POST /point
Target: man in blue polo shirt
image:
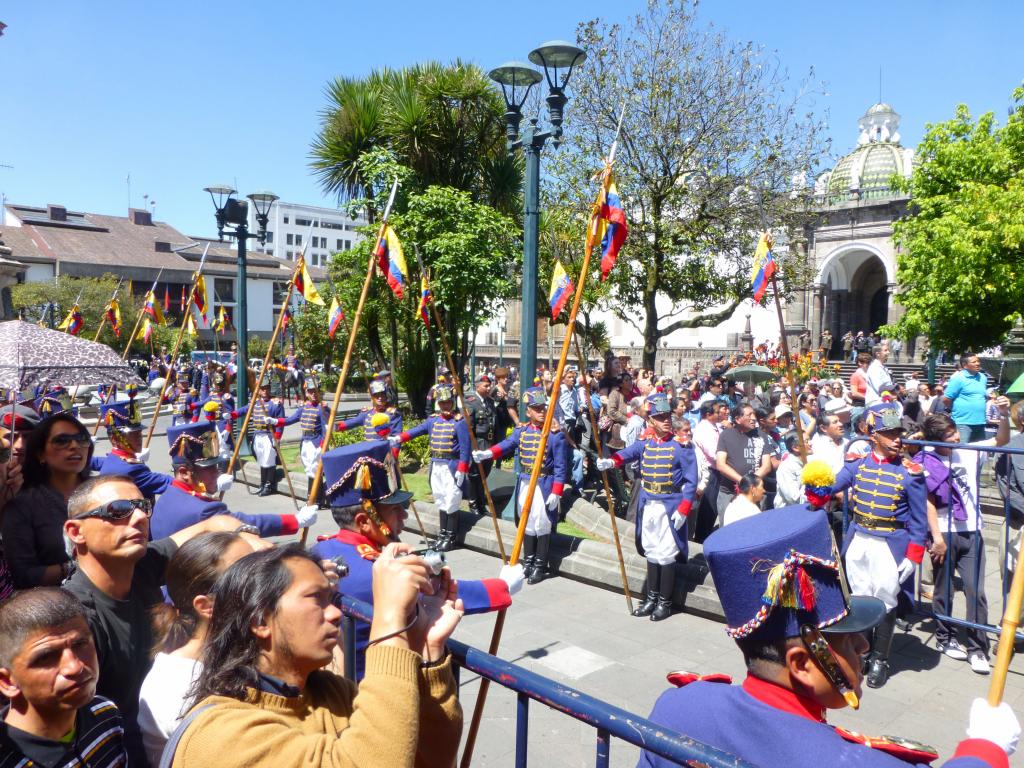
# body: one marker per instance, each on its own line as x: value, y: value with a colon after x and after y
x: 965, y: 396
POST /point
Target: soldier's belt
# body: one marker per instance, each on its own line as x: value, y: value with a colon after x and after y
x: 527, y: 472
x: 875, y: 523
x: 444, y: 455
x: 658, y: 487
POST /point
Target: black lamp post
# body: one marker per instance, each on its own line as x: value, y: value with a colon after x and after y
x: 235, y: 213
x: 558, y: 58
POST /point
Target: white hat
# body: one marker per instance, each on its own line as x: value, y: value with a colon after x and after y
x: 782, y: 410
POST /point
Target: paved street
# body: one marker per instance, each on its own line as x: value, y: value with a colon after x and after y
x: 582, y: 636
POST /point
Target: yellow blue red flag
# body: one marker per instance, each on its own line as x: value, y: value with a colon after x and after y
x: 764, y: 266
x: 304, y: 284
x: 152, y: 308
x: 425, y: 298
x: 334, y: 317
x: 613, y: 228
x: 199, y: 295
x: 113, y: 313
x: 391, y: 261
x: 561, y: 289
x: 74, y: 322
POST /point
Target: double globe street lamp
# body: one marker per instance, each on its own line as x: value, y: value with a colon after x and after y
x: 234, y: 212
x: 517, y: 78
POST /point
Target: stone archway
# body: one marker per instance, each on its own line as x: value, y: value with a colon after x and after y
x: 853, y: 292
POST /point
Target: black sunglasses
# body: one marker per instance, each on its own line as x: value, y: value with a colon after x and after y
x: 119, y: 509
x: 63, y: 441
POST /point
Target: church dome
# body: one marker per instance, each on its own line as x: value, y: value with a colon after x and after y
x: 866, y: 173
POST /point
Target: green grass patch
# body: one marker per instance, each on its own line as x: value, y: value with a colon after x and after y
x: 568, y: 529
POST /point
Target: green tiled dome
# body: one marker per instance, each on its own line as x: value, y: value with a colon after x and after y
x: 877, y: 162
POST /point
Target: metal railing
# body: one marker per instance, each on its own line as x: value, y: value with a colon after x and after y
x: 979, y: 576
x: 608, y: 720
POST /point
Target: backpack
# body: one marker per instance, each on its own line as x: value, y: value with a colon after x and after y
x: 1010, y: 480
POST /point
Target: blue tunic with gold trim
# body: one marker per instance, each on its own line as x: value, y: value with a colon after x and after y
x: 149, y: 483
x: 312, y: 420
x: 393, y: 427
x: 180, y: 506
x: 449, y: 440
x: 554, y: 471
x: 271, y: 408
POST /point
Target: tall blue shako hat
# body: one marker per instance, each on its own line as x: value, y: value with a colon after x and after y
x: 122, y: 417
x: 658, y: 403
x: 53, y: 401
x: 194, y: 443
x: 362, y: 473
x: 535, y: 396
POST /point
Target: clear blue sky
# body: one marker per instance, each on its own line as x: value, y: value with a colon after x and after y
x: 183, y: 95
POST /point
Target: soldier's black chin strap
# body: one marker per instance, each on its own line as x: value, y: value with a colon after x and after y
x: 825, y: 657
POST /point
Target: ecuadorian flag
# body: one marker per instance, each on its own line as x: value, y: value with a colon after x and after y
x: 334, y: 317
x: 391, y: 261
x: 561, y: 290
x: 74, y: 322
x: 764, y: 266
x: 425, y: 297
x: 613, y: 229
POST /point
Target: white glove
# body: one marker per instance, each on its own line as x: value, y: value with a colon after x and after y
x: 603, y: 465
x: 269, y: 421
x: 906, y: 569
x: 306, y: 516
x: 460, y: 478
x: 995, y: 724
x: 514, y: 576
x: 224, y: 483
x: 143, y: 455
x: 479, y: 456
x: 553, y: 501
x: 395, y: 441
x: 677, y: 520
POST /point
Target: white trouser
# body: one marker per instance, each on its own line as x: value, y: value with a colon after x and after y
x: 538, y: 523
x: 224, y: 437
x: 263, y: 448
x: 447, y: 493
x: 309, y: 452
x: 871, y: 569
x: 656, y: 533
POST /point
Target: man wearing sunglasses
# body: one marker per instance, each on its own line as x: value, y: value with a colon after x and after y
x: 128, y: 457
x: 117, y: 578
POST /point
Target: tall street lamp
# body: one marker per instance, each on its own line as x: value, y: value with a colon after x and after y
x: 558, y: 58
x: 231, y: 211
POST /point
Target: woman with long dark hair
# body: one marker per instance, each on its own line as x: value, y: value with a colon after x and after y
x: 180, y: 630
x: 57, y: 456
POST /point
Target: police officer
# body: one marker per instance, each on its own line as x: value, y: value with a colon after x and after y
x: 381, y: 420
x: 127, y: 456
x: 369, y: 518
x: 668, y: 486
x: 195, y: 454
x: 786, y: 605
x: 483, y: 419
x: 450, y: 454
x: 886, y: 539
x: 267, y: 418
x: 543, y: 512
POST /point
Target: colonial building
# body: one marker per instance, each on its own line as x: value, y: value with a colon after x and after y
x: 290, y: 224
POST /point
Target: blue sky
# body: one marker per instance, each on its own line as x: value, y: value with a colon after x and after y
x: 183, y: 95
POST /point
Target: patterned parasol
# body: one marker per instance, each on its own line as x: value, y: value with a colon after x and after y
x: 31, y: 356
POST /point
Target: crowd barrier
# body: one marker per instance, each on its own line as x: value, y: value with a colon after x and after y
x: 606, y: 719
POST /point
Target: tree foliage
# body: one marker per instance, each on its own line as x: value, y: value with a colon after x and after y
x: 714, y: 132
x: 959, y: 268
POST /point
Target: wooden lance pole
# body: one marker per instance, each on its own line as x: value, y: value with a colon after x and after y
x: 607, y: 487
x: 314, y: 487
x: 592, y: 232
x: 1007, y: 636
x: 177, y: 346
x: 790, y: 373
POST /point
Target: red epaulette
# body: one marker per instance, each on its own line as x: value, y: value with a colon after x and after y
x: 912, y: 752
x: 681, y: 679
x: 367, y: 552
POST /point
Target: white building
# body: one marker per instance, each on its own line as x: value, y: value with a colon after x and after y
x: 290, y: 224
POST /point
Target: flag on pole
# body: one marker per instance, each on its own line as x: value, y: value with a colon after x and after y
x: 425, y: 298
x: 190, y: 325
x: 287, y: 319
x: 223, y: 321
x: 113, y: 313
x: 167, y: 298
x: 73, y: 323
x: 763, y: 267
x: 391, y: 261
x: 561, y: 290
x: 304, y: 285
x: 152, y: 308
x: 199, y: 294
x: 334, y: 317
x: 183, y: 298
x: 146, y: 330
x: 612, y: 229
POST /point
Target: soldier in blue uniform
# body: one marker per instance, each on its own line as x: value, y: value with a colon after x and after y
x: 787, y: 606
x: 184, y: 401
x: 668, y: 486
x: 53, y: 401
x: 370, y: 511
x: 379, y: 422
x: 450, y: 454
x: 195, y: 454
x: 554, y: 473
x: 312, y: 420
x: 264, y: 429
x: 889, y: 522
x: 127, y: 456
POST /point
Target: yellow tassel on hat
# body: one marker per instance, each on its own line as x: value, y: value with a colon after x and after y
x: 363, y: 479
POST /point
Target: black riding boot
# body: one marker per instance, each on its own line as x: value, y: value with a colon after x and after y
x: 264, y: 483
x: 666, y: 589
x: 646, y: 608
x: 272, y: 477
x: 442, y: 532
x: 529, y: 554
x: 540, y: 568
x: 451, y: 531
x: 878, y: 666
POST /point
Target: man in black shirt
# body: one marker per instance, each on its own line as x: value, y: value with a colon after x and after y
x: 483, y: 417
x: 118, y: 578
x: 741, y: 450
x: 51, y: 714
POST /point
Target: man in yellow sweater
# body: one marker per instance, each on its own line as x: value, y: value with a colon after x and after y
x: 266, y: 700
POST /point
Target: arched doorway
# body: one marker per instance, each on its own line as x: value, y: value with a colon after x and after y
x: 853, y: 292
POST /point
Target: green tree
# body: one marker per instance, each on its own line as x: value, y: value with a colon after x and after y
x: 959, y: 266
x: 714, y: 132
x: 31, y: 301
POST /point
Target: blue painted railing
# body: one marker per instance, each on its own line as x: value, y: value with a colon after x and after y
x: 607, y: 719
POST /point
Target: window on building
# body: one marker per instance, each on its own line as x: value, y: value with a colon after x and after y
x: 298, y: 239
x: 339, y: 244
x: 289, y: 239
x: 290, y: 255
x: 270, y: 236
x: 224, y: 290
x: 285, y: 219
x: 301, y: 222
x: 348, y: 244
x: 280, y: 289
